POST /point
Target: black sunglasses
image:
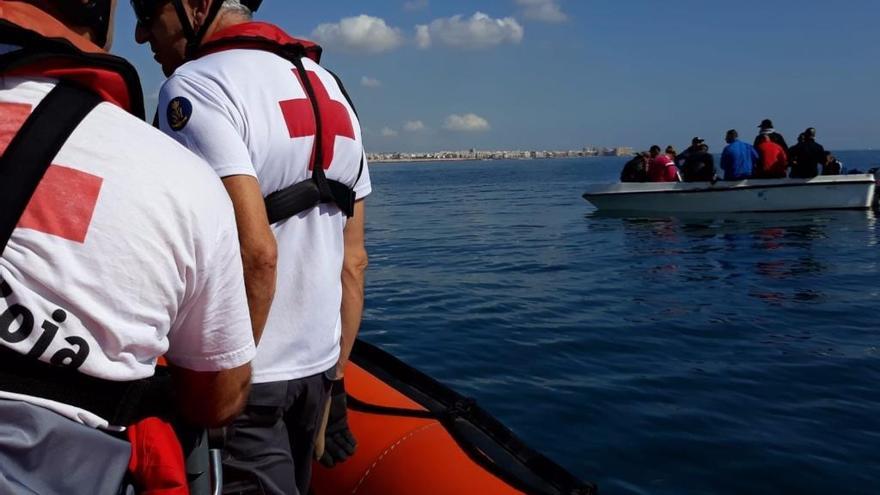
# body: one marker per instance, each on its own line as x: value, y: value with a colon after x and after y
x: 145, y: 10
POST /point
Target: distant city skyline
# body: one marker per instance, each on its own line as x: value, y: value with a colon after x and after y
x: 485, y: 154
x: 560, y: 74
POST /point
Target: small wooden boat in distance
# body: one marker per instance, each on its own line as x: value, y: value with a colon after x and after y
x: 826, y: 192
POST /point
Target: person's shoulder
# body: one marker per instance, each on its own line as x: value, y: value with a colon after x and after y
x: 209, y: 73
x: 226, y: 63
x: 142, y: 145
x: 204, y: 66
x: 191, y: 76
x: 221, y: 73
x: 148, y: 171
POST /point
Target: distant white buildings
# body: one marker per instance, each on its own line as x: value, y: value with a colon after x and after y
x: 474, y: 154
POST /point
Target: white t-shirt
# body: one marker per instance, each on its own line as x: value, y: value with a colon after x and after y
x: 235, y: 109
x: 128, y: 251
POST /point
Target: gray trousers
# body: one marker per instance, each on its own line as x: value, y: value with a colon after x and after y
x: 44, y: 453
x: 270, y: 446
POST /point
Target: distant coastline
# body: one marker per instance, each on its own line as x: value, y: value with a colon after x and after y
x: 475, y: 155
x: 428, y: 160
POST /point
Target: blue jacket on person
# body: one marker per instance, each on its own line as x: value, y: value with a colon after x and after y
x: 738, y: 160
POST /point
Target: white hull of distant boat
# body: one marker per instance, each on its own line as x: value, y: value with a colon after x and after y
x: 830, y: 192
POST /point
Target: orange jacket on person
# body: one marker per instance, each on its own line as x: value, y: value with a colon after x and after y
x: 773, y: 160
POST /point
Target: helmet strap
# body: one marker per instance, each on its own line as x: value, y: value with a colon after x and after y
x: 194, y: 37
x: 188, y: 32
x: 103, y: 21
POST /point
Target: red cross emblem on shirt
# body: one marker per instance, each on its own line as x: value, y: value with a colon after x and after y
x: 65, y: 200
x: 300, y: 118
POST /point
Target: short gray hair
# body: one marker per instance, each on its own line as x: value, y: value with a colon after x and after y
x: 237, y: 7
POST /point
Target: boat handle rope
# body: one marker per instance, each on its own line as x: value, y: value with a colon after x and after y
x: 462, y: 408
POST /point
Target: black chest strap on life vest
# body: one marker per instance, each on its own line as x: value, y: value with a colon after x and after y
x: 22, y: 167
x: 302, y: 196
x: 307, y: 194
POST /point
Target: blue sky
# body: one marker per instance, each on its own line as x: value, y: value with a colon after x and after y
x: 562, y: 74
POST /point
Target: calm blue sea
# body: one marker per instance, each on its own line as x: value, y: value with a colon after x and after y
x: 735, y: 354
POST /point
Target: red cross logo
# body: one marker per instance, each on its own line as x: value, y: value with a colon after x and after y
x: 300, y: 118
x: 65, y: 200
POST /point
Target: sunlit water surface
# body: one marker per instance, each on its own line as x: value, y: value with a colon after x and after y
x: 734, y: 354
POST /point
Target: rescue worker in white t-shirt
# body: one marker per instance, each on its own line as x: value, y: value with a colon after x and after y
x: 254, y: 103
x: 124, y: 250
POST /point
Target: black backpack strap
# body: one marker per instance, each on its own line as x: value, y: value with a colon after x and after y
x: 344, y: 92
x: 33, y: 148
x: 120, y: 403
x: 353, y: 109
x: 318, y: 164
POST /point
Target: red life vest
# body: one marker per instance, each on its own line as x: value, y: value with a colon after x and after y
x: 54, y: 51
x: 258, y: 36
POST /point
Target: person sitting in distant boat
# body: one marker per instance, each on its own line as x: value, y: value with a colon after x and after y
x: 832, y: 165
x: 690, y: 150
x: 806, y: 156
x: 636, y: 170
x: 792, y: 158
x: 773, y: 161
x: 699, y: 166
x: 766, y: 129
x: 661, y: 168
x: 670, y: 152
x: 738, y: 158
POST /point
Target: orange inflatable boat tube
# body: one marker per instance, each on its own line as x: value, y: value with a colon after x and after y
x: 416, y: 436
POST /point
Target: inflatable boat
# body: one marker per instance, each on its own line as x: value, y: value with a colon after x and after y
x: 416, y: 436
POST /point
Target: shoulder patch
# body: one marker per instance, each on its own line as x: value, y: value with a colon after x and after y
x: 178, y: 113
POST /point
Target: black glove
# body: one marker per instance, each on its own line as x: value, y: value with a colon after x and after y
x: 339, y: 443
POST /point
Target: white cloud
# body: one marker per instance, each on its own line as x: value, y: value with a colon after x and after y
x: 478, y: 31
x: 423, y: 36
x: 414, y: 126
x: 542, y: 10
x: 388, y: 132
x: 415, y: 5
x: 369, y: 82
x: 466, y: 123
x: 361, y: 34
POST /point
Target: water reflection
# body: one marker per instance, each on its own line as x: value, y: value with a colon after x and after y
x: 777, y: 258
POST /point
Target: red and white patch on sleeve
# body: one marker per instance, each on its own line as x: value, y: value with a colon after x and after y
x: 65, y: 200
